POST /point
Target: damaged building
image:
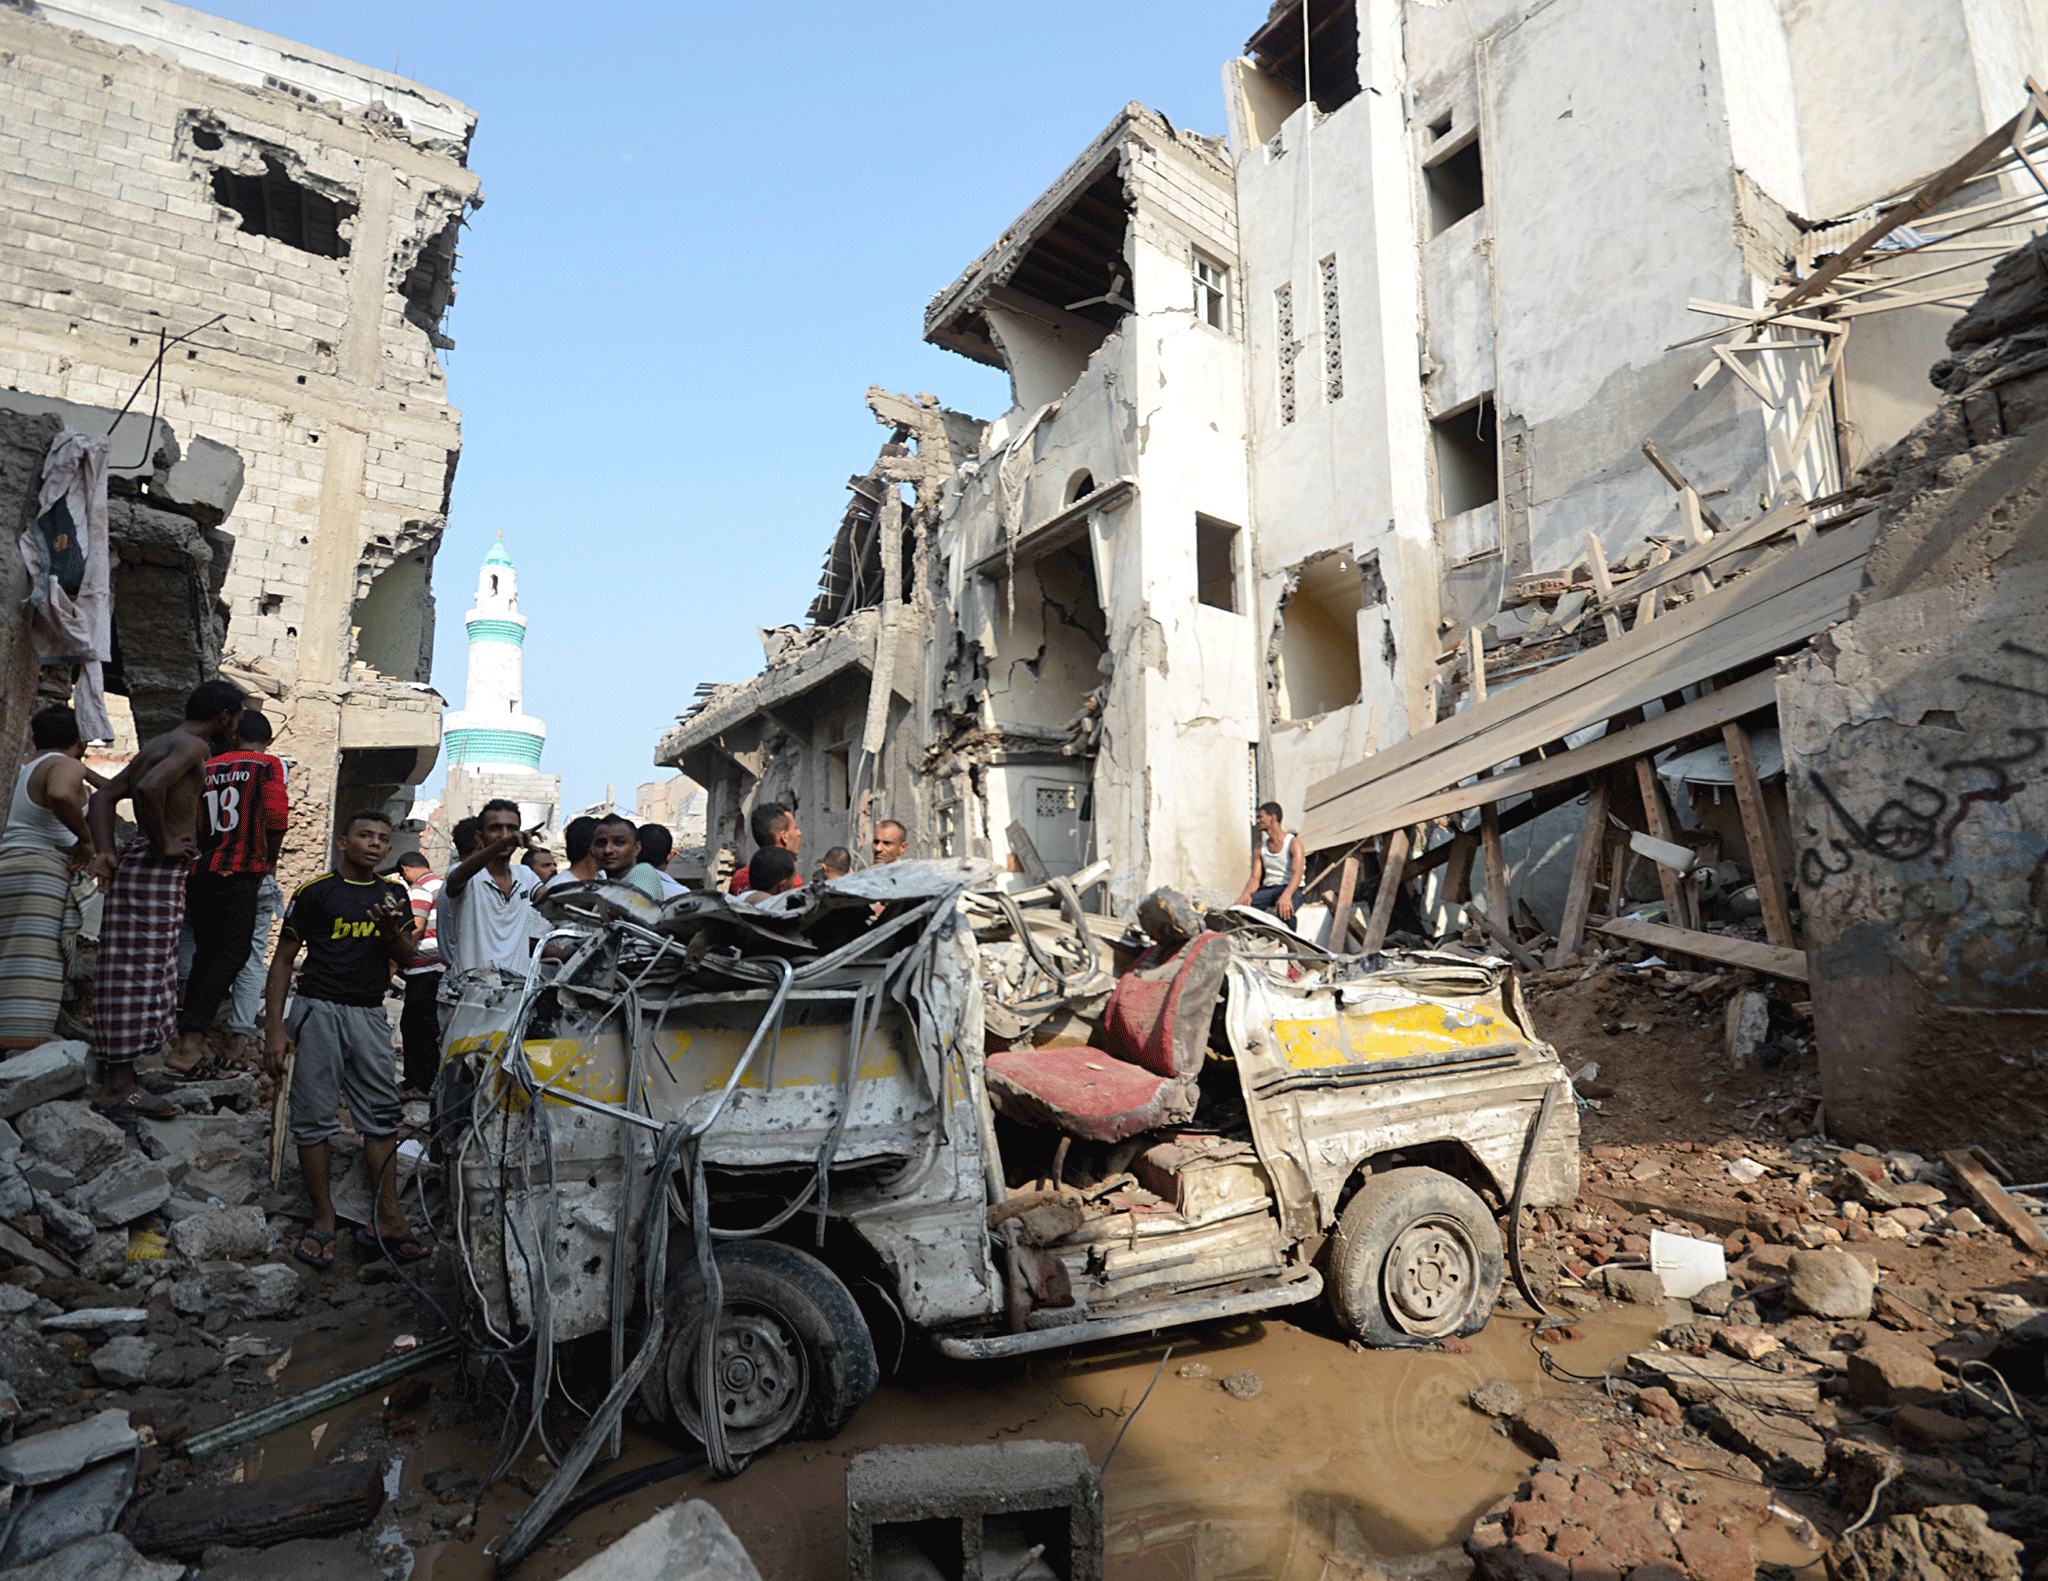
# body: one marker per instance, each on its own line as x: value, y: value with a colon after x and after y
x: 252, y: 244
x: 1450, y: 454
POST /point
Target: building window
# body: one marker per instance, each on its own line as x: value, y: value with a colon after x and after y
x: 1283, y: 325
x: 1467, y: 459
x: 1216, y: 563
x: 1212, y: 293
x: 839, y: 779
x: 1456, y: 183
x: 1319, y: 668
x: 1333, y: 334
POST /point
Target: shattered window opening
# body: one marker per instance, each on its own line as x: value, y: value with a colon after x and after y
x: 1456, y: 183
x: 839, y: 779
x: 273, y: 204
x: 1283, y: 323
x: 1318, y: 647
x: 429, y: 285
x: 1216, y: 564
x: 1333, y: 341
x: 1212, y: 293
x: 1467, y: 446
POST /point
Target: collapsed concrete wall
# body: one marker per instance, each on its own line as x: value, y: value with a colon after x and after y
x: 1914, y: 737
x: 293, y: 216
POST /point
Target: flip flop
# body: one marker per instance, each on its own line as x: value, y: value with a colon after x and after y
x: 319, y: 1238
x: 146, y: 1104
x: 393, y: 1247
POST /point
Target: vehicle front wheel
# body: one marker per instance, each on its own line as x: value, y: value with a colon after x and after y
x: 792, y: 1356
x: 1416, y: 1256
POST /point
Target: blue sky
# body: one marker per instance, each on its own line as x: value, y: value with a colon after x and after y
x: 708, y: 229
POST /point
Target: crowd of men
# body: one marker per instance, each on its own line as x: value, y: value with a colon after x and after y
x: 189, y: 901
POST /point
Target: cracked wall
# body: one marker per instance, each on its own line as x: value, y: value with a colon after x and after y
x: 121, y: 132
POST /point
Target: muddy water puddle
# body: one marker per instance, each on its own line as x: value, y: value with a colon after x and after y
x: 1366, y: 1454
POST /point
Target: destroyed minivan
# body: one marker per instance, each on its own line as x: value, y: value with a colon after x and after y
x: 906, y: 1107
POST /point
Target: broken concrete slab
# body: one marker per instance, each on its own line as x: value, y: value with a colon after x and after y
x: 123, y: 1192
x: 177, y: 1144
x: 1699, y: 1379
x: 123, y: 1362
x: 238, y: 1233
x: 106, y: 1558
x: 104, y: 1319
x: 70, y: 1135
x: 10, y: 1139
x: 52, y: 1456
x: 55, y: 1070
x: 65, y: 1227
x: 269, y: 1290
x: 1891, y: 1372
x: 303, y: 1559
x: 1786, y: 1448
x: 204, y: 483
x: 1947, y: 1542
x: 86, y: 1505
x: 685, y: 1542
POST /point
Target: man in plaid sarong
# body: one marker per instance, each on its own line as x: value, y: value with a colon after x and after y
x: 135, y: 992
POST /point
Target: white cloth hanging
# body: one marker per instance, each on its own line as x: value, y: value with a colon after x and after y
x: 66, y: 553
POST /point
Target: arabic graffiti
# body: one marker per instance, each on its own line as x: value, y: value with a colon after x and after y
x: 1921, y: 816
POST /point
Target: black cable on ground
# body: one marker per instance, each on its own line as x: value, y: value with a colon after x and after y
x: 615, y: 1487
x: 1515, y: 1202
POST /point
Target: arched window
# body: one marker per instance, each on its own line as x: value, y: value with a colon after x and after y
x: 1080, y: 484
x: 494, y: 583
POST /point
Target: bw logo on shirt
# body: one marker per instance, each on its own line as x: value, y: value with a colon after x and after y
x: 353, y: 930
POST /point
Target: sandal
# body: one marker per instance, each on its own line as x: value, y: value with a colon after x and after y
x: 400, y: 1248
x: 321, y: 1238
x: 208, y: 1069
x: 146, y: 1104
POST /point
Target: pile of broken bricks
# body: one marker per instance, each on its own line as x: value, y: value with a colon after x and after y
x: 1871, y: 1378
x: 147, y: 1293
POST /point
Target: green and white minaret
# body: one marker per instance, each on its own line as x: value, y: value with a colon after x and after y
x: 490, y: 733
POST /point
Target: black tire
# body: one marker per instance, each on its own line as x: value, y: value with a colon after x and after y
x: 796, y: 1355
x: 1416, y: 1257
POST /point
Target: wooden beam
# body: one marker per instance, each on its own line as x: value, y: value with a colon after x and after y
x: 1655, y: 814
x: 1390, y: 886
x: 1578, y: 900
x: 1458, y: 869
x: 1510, y: 945
x: 1766, y: 958
x: 1675, y: 478
x: 1756, y: 829
x: 1750, y: 535
x: 1340, y: 919
x: 1992, y: 1198
x: 1603, y: 584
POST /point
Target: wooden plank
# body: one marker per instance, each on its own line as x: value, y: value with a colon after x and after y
x: 1458, y: 867
x: 1752, y: 315
x: 1655, y: 814
x: 1511, y: 946
x: 1993, y: 1199
x: 1750, y: 535
x: 1578, y: 898
x: 1756, y: 386
x: 1765, y: 958
x: 1390, y: 886
x: 1761, y: 614
x: 1512, y: 818
x: 1799, y: 585
x: 1756, y: 829
x: 1646, y: 605
x: 1603, y: 584
x: 1496, y: 864
x: 1944, y: 184
x: 1340, y: 919
x: 1675, y: 478
x: 317, y: 1503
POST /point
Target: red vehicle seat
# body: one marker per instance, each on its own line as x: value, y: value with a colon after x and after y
x: 1157, y: 1024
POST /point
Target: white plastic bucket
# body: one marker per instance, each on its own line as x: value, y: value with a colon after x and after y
x: 1685, y: 1265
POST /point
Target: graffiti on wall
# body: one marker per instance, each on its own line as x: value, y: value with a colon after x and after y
x: 1924, y: 815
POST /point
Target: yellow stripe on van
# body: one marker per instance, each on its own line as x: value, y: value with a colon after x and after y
x: 1393, y: 1033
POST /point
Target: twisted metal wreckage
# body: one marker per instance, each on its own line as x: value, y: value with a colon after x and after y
x: 1000, y: 1142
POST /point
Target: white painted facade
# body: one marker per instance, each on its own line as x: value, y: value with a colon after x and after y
x: 1454, y: 285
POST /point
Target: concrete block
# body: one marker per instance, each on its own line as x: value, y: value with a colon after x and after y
x: 123, y: 1192
x: 974, y: 1510
x: 56, y: 1070
x: 72, y: 1137
x: 685, y: 1542
x: 205, y: 483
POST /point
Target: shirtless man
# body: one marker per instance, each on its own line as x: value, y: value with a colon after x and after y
x: 135, y: 994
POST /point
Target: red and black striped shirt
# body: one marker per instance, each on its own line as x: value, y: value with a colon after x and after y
x: 244, y: 803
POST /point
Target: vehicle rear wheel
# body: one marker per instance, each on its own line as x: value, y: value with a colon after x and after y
x: 1416, y: 1256
x: 792, y: 1358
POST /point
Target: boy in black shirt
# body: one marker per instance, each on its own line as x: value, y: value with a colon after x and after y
x: 354, y: 926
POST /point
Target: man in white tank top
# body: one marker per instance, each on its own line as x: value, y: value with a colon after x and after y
x: 44, y: 843
x: 1276, y: 866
